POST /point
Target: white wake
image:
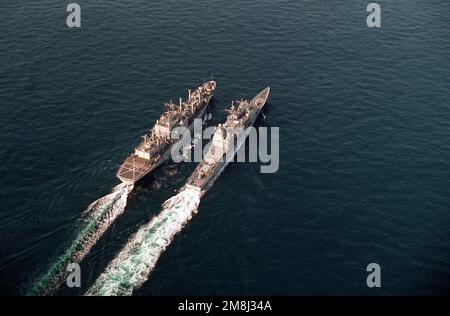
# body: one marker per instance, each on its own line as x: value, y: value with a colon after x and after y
x: 97, y: 218
x: 133, y: 265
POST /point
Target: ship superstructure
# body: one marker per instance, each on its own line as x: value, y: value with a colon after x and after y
x: 156, y: 144
x: 227, y: 140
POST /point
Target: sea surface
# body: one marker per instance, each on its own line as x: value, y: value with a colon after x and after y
x: 364, y: 118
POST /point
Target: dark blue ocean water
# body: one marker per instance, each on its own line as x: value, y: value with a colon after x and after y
x: 364, y: 119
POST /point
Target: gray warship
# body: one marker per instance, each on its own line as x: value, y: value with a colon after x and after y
x: 226, y: 142
x: 155, y: 146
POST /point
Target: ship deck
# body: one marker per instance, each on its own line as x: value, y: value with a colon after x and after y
x: 133, y: 168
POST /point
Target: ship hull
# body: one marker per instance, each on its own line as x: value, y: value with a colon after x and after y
x: 219, y: 166
x: 136, y: 168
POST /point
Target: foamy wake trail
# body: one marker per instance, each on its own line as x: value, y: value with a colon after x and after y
x: 132, y: 266
x: 96, y: 220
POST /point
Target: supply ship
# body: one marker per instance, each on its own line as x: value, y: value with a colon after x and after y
x: 226, y: 142
x: 155, y: 146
